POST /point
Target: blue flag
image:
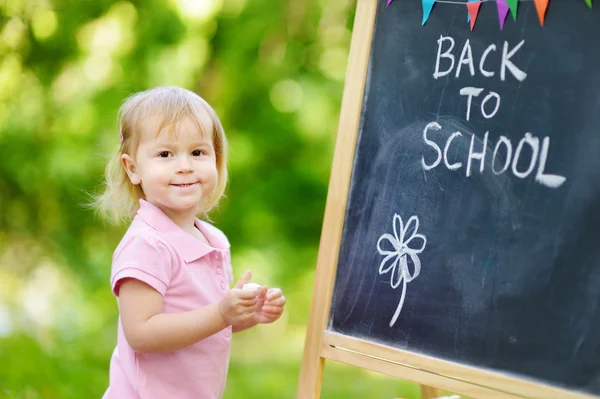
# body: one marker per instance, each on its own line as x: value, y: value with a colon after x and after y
x: 427, y: 6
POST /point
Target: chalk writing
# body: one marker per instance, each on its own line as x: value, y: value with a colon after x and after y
x: 528, y: 146
x: 466, y: 58
x: 537, y: 156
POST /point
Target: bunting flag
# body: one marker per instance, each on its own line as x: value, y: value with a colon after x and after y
x: 513, y: 4
x: 468, y: 14
x: 388, y: 3
x: 541, y: 6
x: 503, y: 6
x: 427, y: 6
x: 502, y: 12
x: 473, y: 8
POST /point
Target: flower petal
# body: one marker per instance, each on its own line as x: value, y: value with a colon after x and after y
x: 417, y: 263
x: 412, y: 226
x: 416, y: 238
x: 398, y: 227
x: 386, y: 259
x: 392, y: 241
x: 400, y: 272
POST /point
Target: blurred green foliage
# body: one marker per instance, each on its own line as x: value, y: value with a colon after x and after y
x: 273, y: 70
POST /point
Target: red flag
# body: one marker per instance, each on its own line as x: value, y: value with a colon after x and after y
x: 541, y: 6
x: 473, y: 8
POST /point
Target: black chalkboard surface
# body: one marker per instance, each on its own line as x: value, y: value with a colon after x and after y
x: 481, y: 247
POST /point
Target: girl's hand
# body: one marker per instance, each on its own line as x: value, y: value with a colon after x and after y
x: 273, y: 306
x: 239, y: 305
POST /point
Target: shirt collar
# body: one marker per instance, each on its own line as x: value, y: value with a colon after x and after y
x: 189, y: 246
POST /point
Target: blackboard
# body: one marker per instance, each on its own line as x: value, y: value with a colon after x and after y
x: 509, y: 277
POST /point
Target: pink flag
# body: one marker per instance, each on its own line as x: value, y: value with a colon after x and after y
x: 502, y: 12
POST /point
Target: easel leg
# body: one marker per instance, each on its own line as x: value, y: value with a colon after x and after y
x: 430, y: 392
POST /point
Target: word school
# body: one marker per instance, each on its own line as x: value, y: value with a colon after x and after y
x: 499, y: 164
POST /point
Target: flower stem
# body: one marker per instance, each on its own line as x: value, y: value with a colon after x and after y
x: 399, y: 308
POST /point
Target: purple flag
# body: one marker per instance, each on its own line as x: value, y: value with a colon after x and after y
x: 389, y: 2
x: 502, y: 12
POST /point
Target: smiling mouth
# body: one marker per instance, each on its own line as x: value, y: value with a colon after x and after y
x: 184, y: 185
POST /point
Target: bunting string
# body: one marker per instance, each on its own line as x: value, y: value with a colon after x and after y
x: 504, y: 6
x: 474, y: 1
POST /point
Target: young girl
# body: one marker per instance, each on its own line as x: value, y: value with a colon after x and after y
x: 171, y: 272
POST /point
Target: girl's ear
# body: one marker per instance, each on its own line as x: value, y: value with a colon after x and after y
x: 130, y: 168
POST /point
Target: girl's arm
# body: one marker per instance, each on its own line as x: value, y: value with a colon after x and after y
x: 149, y: 330
x: 244, y: 326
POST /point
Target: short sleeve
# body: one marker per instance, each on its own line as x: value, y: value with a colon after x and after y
x: 145, y: 259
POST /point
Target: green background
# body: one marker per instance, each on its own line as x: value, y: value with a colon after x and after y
x: 273, y: 70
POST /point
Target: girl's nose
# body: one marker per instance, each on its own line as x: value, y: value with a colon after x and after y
x: 184, y: 165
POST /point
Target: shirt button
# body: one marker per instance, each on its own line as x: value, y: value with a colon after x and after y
x: 219, y: 271
x: 216, y: 256
x: 222, y: 285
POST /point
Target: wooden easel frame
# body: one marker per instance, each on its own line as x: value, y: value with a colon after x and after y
x: 322, y: 344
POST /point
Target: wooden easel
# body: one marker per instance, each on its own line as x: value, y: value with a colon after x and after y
x: 430, y: 392
x: 322, y: 344
x: 313, y: 363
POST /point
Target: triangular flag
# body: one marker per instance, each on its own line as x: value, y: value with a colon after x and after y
x: 541, y: 6
x: 427, y: 6
x: 502, y: 12
x: 388, y: 3
x: 469, y: 15
x: 589, y: 3
x: 513, y: 4
x: 473, y: 8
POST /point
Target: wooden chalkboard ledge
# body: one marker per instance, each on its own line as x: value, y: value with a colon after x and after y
x: 443, y: 374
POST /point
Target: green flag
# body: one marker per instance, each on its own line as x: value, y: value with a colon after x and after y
x: 512, y: 4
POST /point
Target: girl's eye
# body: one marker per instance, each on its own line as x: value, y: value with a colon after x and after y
x: 197, y: 153
x: 164, y: 154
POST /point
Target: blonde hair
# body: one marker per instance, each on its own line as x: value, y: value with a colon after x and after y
x: 167, y: 106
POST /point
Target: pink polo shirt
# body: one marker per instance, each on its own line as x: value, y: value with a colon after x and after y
x: 188, y: 274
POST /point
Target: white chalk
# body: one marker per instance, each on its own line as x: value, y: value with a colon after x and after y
x: 251, y: 286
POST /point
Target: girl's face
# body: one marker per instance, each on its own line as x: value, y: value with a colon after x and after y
x: 177, y: 172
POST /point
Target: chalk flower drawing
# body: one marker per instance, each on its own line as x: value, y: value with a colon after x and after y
x: 405, y: 243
